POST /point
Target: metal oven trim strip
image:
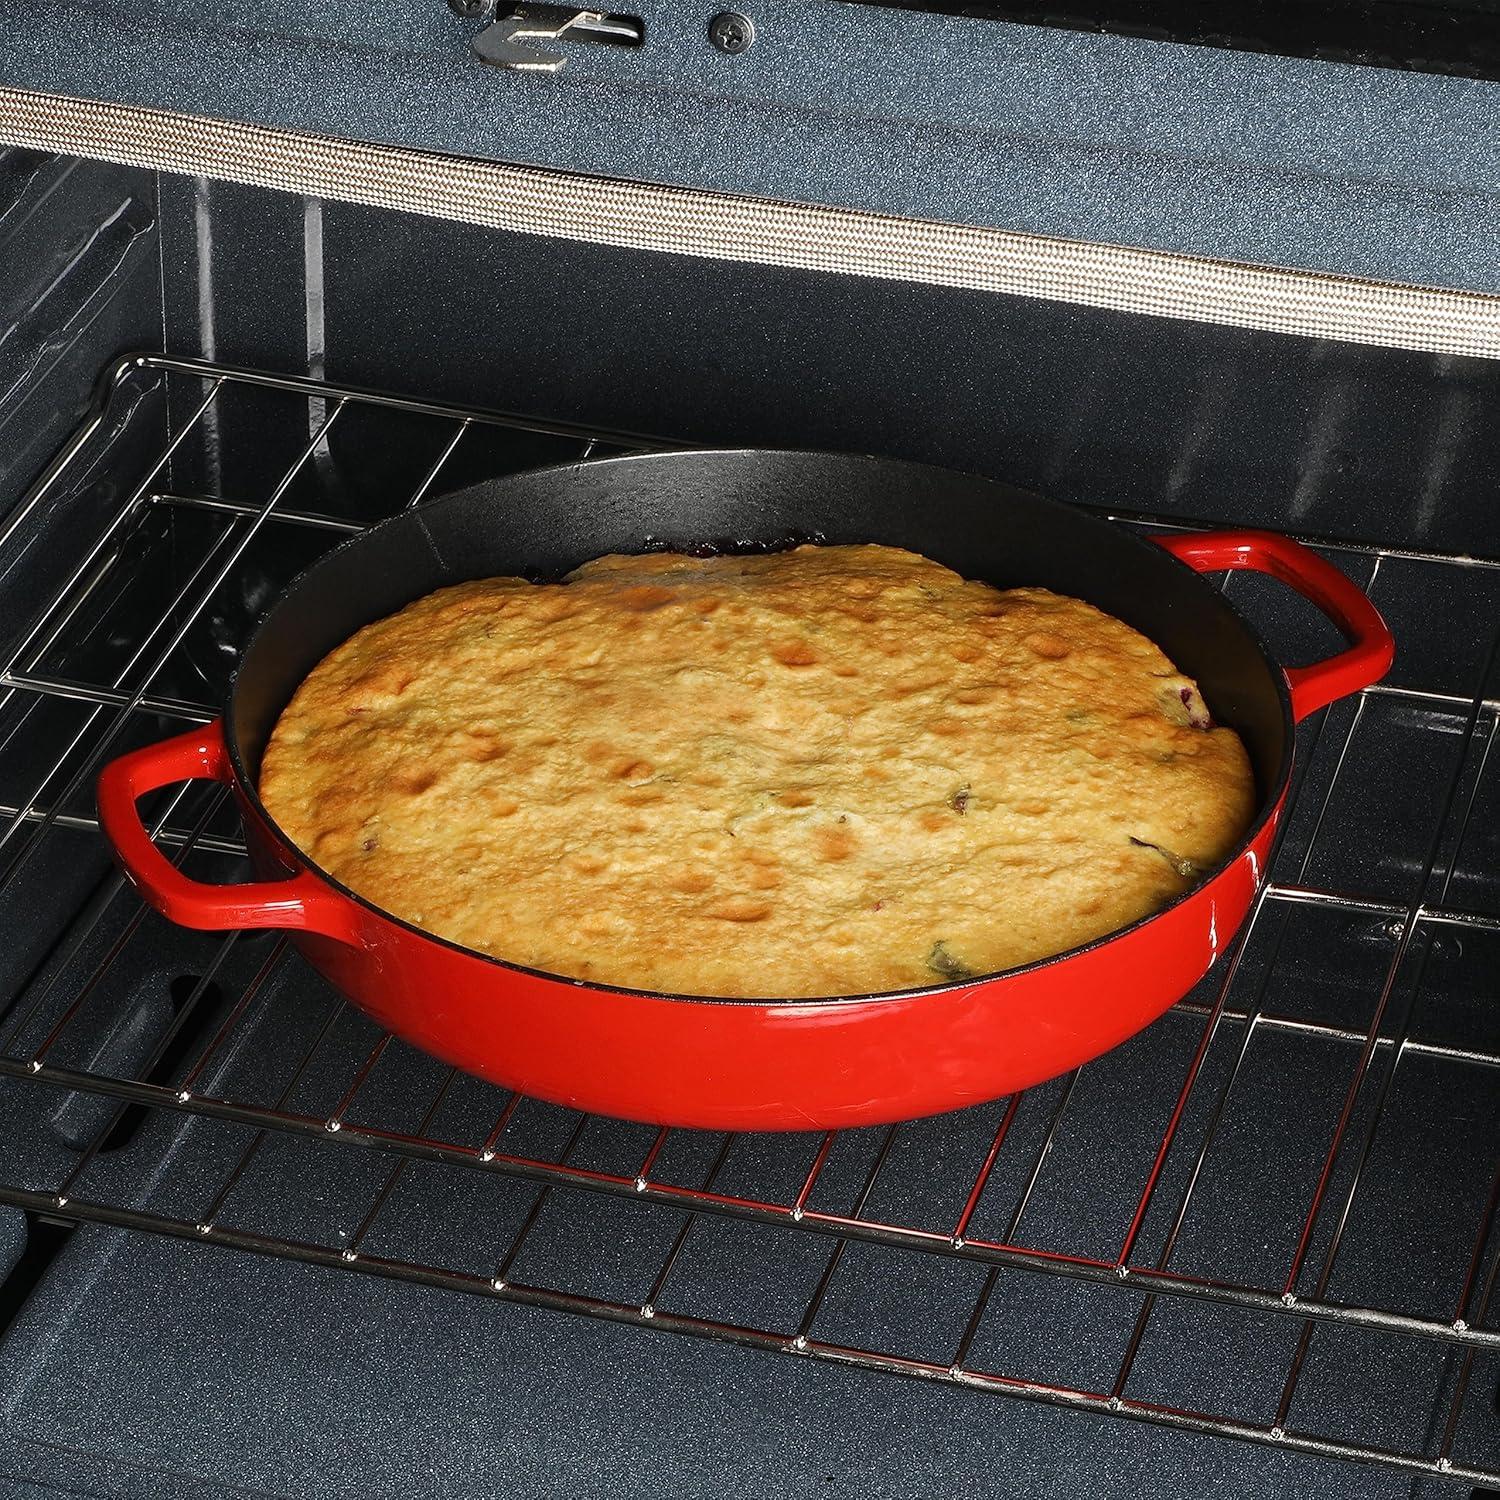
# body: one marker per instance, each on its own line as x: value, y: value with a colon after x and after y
x: 799, y: 236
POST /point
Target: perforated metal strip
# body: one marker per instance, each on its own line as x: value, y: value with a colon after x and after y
x: 811, y: 237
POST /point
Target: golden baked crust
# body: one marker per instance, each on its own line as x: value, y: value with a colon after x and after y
x: 828, y: 771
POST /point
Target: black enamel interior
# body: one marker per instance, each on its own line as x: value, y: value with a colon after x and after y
x: 544, y: 522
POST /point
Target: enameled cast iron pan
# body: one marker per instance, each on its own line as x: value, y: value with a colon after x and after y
x: 753, y: 1064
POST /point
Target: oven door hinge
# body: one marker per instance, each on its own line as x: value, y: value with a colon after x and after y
x: 518, y: 36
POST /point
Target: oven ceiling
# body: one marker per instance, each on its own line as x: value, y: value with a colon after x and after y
x: 1117, y: 140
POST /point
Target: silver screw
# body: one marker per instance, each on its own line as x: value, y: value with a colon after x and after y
x: 731, y: 32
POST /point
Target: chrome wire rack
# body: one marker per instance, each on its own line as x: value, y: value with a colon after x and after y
x: 1271, y: 1216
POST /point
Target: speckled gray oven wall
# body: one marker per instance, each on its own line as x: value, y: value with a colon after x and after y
x: 1088, y: 405
x: 1359, y: 171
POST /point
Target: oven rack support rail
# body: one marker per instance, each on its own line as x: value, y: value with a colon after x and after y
x: 51, y: 669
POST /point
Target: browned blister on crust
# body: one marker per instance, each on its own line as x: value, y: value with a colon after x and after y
x: 827, y: 771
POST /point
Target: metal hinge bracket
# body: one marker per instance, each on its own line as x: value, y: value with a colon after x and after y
x: 518, y: 40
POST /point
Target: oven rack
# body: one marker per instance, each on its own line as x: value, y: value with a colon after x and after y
x: 1353, y: 998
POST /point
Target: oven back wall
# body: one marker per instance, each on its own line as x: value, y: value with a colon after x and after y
x: 1142, y: 413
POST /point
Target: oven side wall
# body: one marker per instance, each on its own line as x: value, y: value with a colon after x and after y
x: 80, y: 281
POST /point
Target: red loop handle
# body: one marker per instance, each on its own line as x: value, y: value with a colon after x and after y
x: 303, y: 903
x: 1371, y: 645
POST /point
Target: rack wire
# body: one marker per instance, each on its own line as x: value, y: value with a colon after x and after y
x: 1279, y: 1196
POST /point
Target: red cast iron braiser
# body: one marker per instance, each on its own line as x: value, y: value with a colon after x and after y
x: 754, y: 1064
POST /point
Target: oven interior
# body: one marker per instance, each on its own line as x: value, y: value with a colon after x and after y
x: 1430, y: 36
x: 236, y: 1219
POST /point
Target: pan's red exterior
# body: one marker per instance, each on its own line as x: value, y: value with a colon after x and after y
x: 738, y: 1065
